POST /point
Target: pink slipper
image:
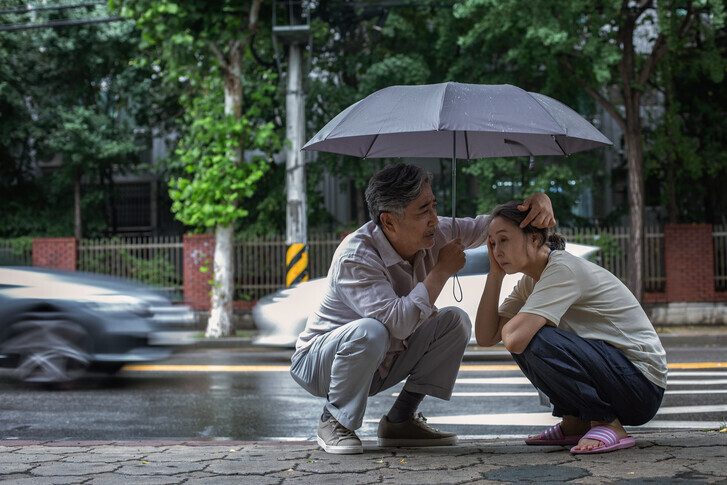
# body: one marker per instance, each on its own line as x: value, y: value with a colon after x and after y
x: 608, y: 437
x: 553, y: 436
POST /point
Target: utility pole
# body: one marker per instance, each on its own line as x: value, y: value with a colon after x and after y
x: 295, y: 35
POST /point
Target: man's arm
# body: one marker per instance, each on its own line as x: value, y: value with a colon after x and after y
x: 541, y: 211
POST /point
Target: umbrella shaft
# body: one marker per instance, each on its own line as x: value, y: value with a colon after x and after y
x: 454, y: 184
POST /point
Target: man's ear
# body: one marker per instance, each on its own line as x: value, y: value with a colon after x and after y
x: 388, y: 221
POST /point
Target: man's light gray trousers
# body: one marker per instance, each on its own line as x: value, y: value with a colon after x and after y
x: 342, y: 365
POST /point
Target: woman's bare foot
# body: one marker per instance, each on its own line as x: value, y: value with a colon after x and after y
x: 589, y: 444
x: 572, y: 426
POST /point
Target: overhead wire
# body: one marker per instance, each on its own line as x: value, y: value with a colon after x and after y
x: 55, y: 23
x: 30, y: 8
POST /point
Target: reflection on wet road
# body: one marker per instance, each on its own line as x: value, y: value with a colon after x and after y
x: 249, y: 395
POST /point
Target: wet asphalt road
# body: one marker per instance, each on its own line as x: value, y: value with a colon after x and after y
x: 250, y: 396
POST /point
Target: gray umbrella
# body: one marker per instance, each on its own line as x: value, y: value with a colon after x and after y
x: 456, y: 120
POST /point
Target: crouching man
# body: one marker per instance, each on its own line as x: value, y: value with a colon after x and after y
x: 377, y: 324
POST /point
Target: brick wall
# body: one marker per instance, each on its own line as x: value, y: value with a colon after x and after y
x: 199, y: 250
x: 55, y: 253
x: 689, y: 263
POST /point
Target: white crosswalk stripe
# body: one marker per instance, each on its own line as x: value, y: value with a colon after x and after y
x: 512, y: 384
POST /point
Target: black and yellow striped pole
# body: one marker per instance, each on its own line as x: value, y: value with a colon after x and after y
x: 296, y: 260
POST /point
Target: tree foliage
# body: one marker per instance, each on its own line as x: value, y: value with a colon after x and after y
x: 686, y: 149
x: 212, y: 187
x: 194, y: 47
x: 68, y: 95
x: 610, y: 48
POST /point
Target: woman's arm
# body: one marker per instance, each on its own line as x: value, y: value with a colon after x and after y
x: 520, y: 330
x: 488, y: 323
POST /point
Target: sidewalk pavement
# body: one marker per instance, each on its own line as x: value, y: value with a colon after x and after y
x: 674, y: 457
x: 684, y: 457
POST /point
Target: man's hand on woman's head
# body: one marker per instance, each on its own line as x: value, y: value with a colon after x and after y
x: 541, y: 211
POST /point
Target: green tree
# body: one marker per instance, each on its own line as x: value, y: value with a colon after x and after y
x: 360, y: 48
x: 608, y: 48
x: 686, y: 148
x: 209, y: 50
x: 67, y: 95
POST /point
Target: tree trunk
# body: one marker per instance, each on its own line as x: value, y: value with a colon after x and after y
x: 671, y: 187
x: 635, y: 161
x: 77, y: 227
x: 220, y: 321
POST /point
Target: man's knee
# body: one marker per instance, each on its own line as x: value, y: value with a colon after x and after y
x: 368, y: 336
x: 458, y: 322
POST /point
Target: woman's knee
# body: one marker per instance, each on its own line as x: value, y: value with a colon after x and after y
x: 543, y: 341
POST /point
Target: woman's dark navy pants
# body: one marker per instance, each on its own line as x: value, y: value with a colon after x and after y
x: 589, y: 379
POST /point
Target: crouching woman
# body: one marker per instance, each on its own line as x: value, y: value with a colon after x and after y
x: 577, y: 333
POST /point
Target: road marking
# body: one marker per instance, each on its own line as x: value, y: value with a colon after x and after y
x: 677, y: 365
x: 718, y: 373
x: 493, y: 380
x: 286, y: 368
x: 475, y: 367
x: 696, y: 382
x: 664, y: 424
x: 718, y: 408
x: 488, y: 394
x: 516, y: 419
x: 698, y: 391
x: 208, y: 368
x: 546, y: 419
x: 697, y: 365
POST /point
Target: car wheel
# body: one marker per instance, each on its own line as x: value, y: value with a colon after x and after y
x: 49, y: 350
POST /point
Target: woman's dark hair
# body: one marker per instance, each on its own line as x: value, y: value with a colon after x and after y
x: 510, y: 212
x: 394, y: 188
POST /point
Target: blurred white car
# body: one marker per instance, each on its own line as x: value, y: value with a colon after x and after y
x: 281, y: 316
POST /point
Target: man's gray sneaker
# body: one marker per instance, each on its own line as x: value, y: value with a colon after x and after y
x: 413, y: 432
x: 334, y: 438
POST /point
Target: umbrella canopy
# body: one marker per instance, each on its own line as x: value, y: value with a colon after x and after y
x: 456, y: 120
x: 459, y: 121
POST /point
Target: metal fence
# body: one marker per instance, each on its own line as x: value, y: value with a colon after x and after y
x: 156, y: 261
x: 259, y: 263
x: 719, y: 236
x: 16, y: 252
x: 260, y: 266
x: 613, y: 253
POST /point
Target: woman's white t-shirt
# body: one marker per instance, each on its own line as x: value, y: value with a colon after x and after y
x: 581, y: 297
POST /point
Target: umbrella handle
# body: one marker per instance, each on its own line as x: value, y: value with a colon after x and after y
x: 456, y: 285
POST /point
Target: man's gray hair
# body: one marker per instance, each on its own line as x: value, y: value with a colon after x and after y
x: 394, y: 188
